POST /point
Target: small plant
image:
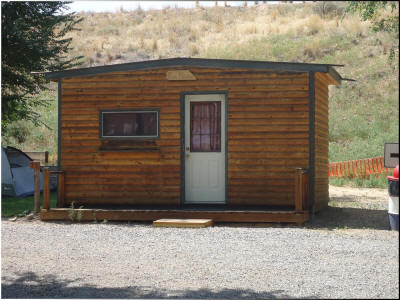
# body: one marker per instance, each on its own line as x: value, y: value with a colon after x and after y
x: 105, y: 221
x: 79, y: 214
x: 94, y: 217
x: 71, y: 212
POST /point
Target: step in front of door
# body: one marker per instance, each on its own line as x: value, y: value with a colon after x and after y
x: 187, y: 223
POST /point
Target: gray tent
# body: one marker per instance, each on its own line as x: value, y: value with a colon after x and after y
x: 16, y: 174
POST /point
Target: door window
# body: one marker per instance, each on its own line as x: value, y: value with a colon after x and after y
x: 205, y: 126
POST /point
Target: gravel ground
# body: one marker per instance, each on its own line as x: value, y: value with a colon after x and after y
x: 331, y: 257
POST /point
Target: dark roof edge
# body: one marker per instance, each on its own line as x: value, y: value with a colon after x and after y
x: 335, y: 74
x: 196, y: 62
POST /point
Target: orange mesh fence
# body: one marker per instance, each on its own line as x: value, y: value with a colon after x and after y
x: 358, y: 168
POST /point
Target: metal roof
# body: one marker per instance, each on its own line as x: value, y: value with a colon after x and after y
x: 198, y: 62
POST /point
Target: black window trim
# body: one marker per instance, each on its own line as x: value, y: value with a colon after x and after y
x: 132, y: 110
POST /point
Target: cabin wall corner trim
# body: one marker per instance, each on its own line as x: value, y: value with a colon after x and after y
x: 59, y: 100
x: 59, y: 123
x: 312, y: 139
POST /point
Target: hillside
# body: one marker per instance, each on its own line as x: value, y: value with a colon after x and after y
x: 363, y: 114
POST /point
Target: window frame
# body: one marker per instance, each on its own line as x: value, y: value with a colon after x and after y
x: 136, y: 110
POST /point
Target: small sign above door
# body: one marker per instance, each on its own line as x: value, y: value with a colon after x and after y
x: 180, y: 75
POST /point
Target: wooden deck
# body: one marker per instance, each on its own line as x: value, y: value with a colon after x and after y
x: 264, y: 216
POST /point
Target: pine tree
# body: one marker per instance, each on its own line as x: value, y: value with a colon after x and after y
x: 33, y: 39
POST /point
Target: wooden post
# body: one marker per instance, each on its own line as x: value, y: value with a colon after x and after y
x: 46, y: 188
x: 306, y: 193
x: 46, y: 157
x: 60, y: 202
x: 299, y: 190
x: 35, y: 165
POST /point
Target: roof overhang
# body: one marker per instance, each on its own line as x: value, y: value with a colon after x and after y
x: 198, y: 62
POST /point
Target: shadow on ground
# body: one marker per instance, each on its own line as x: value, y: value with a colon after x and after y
x: 29, y: 285
x: 346, y: 217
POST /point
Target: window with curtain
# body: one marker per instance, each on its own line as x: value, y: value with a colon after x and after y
x: 129, y: 124
x: 205, y: 126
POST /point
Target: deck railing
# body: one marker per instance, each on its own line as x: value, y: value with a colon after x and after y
x: 301, y: 188
x: 35, y: 165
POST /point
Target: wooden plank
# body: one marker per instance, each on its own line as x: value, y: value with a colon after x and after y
x: 77, y: 105
x: 138, y: 169
x: 131, y: 174
x: 151, y: 215
x: 183, y: 223
x: 156, y: 79
x: 250, y: 129
x: 267, y: 182
x: 239, y: 168
x: 127, y: 196
x: 267, y: 115
x: 124, y: 155
x: 123, y: 188
x: 115, y: 163
x: 46, y: 188
x: 299, y: 190
x: 268, y: 142
x: 35, y: 165
x: 250, y: 202
x: 275, y: 83
x: 249, y: 148
x: 268, y: 122
x: 266, y: 155
x: 268, y: 108
x: 296, y: 91
x: 263, y: 194
x: 272, y: 135
x: 60, y: 190
x: 125, y: 201
x: 139, y: 180
x: 271, y: 162
x: 104, y: 99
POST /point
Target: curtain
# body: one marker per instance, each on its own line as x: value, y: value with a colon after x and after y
x: 205, y: 130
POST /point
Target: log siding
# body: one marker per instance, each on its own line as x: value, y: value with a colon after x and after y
x: 321, y: 178
x: 268, y: 136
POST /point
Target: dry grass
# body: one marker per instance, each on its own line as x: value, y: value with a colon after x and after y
x: 138, y: 35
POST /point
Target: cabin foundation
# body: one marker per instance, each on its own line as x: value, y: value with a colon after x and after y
x: 150, y: 215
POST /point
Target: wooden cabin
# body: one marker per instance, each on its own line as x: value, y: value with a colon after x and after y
x: 231, y: 140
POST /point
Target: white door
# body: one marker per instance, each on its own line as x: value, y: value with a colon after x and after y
x: 205, y: 148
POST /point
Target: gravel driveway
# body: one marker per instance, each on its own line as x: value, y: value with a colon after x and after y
x: 121, y: 260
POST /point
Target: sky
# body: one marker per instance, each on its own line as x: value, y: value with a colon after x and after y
x: 113, y: 6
